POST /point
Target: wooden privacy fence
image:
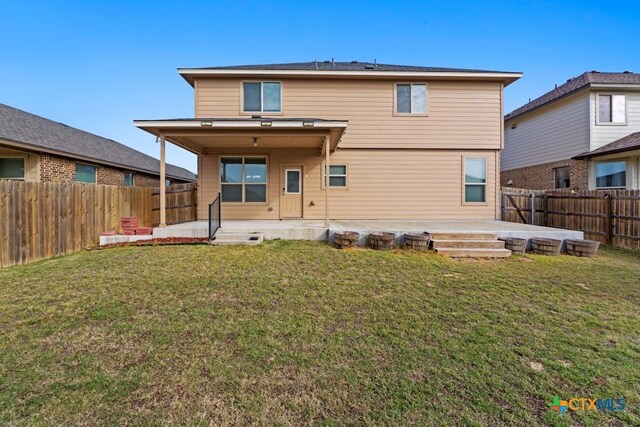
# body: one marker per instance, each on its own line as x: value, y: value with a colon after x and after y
x: 181, y: 205
x: 41, y: 220
x: 609, y: 216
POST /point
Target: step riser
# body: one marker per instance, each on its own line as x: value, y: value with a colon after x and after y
x: 474, y: 253
x: 479, y: 244
x: 236, y: 239
x: 463, y: 236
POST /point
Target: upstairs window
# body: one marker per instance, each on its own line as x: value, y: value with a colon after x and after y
x: 475, y: 180
x: 562, y: 177
x: 85, y: 173
x: 12, y: 168
x: 612, y: 109
x: 411, y: 98
x: 262, y: 97
x: 611, y: 174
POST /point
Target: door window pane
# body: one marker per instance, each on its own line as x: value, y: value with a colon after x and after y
x: 418, y: 99
x: 474, y: 193
x: 255, y: 170
x: 562, y: 177
x: 604, y: 108
x: 252, y: 96
x: 271, y: 96
x: 85, y: 173
x: 255, y: 193
x: 403, y: 98
x: 231, y: 169
x: 231, y: 193
x: 611, y: 174
x: 293, y: 181
x: 12, y: 168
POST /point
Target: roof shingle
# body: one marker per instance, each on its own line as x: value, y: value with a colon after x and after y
x: 22, y: 127
x: 628, y: 143
x: 575, y: 84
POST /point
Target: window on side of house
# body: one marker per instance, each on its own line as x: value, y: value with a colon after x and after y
x: 243, y: 179
x: 128, y: 179
x: 337, y: 175
x: 262, y: 97
x: 411, y: 98
x: 562, y: 177
x: 475, y: 180
x: 611, y: 174
x: 12, y: 168
x: 612, y: 109
x: 85, y: 173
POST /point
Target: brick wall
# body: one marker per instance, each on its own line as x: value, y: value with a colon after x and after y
x: 541, y: 177
x: 61, y: 169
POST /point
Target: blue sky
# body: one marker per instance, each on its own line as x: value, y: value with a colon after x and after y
x: 98, y: 65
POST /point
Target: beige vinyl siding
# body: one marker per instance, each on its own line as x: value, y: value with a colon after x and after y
x: 383, y: 184
x: 606, y: 133
x: 461, y: 115
x: 556, y: 132
x: 31, y: 164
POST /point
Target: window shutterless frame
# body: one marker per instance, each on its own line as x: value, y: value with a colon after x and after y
x: 411, y: 112
x: 335, y: 175
x: 243, y: 182
x: 613, y: 99
x: 86, y: 169
x: 474, y: 184
x: 261, y: 111
x: 12, y: 161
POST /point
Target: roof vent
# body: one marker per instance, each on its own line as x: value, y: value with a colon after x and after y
x: 568, y: 80
x: 354, y: 62
x: 327, y: 61
x: 627, y: 72
x: 595, y: 71
x: 369, y: 67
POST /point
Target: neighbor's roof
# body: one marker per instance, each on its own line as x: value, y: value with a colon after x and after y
x: 38, y: 133
x: 352, y: 68
x: 576, y: 84
x: 628, y: 143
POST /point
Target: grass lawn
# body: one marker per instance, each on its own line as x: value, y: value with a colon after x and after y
x: 292, y: 333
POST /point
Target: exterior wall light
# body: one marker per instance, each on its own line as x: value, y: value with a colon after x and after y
x: 265, y: 123
x: 307, y: 124
x: 206, y: 123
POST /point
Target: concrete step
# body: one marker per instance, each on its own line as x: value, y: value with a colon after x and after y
x: 463, y: 236
x: 478, y: 244
x: 237, y: 239
x: 474, y: 252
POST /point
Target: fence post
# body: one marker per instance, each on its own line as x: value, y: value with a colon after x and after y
x: 533, y: 208
x: 545, y: 209
x: 501, y: 206
x: 608, y: 209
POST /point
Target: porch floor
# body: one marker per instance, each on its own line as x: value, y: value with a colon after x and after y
x: 316, y: 230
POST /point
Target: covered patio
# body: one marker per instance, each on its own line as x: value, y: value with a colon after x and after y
x: 302, y: 145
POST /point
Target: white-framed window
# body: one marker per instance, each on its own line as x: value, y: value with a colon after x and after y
x: 128, y: 179
x: 611, y: 174
x: 562, y: 177
x: 337, y: 175
x: 243, y: 179
x: 12, y: 168
x: 262, y: 97
x: 85, y: 173
x: 411, y: 98
x: 475, y: 180
x: 612, y: 109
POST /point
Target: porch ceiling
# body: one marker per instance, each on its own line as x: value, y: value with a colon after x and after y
x: 202, y: 135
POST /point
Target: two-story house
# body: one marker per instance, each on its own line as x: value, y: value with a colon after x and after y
x: 343, y: 140
x: 584, y: 134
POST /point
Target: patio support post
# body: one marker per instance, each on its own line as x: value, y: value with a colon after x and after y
x: 327, y: 149
x: 163, y: 184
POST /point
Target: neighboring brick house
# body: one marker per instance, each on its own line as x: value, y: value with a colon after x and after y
x: 581, y: 135
x: 33, y: 148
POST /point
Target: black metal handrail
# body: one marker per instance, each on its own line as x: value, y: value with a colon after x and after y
x: 215, y: 217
